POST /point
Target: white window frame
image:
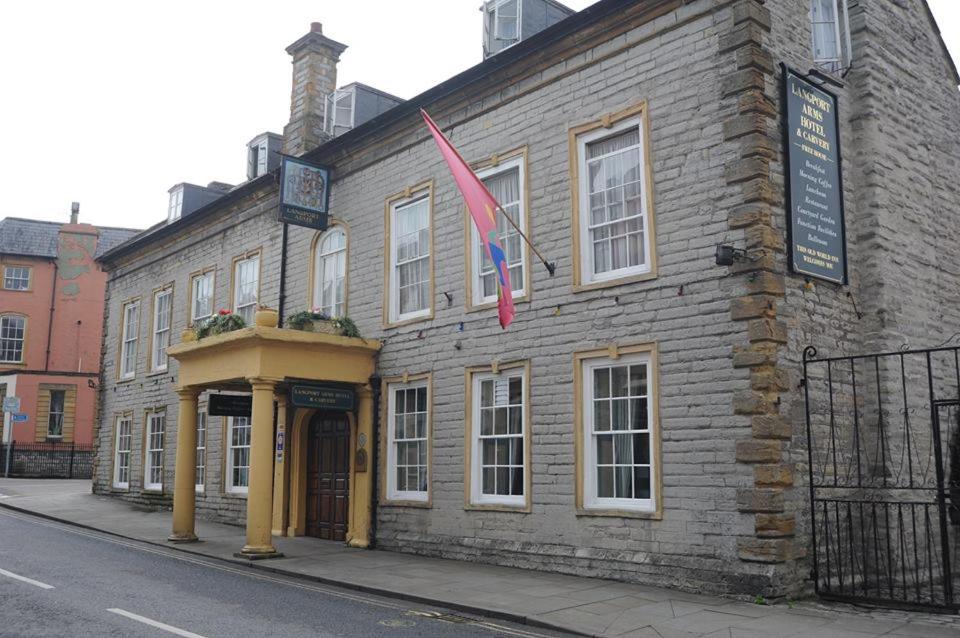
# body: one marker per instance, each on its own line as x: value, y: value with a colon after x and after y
x: 15, y: 277
x: 201, y: 470
x: 229, y: 485
x: 321, y: 260
x: 194, y: 295
x: 122, y: 449
x: 151, y: 449
x: 237, y: 308
x: 160, y: 340
x: 395, y: 207
x: 6, y: 318
x: 497, y: 4
x: 332, y: 109
x: 394, y: 494
x: 476, y: 248
x: 587, y: 274
x: 175, y: 206
x: 589, y: 461
x: 477, y: 497
x: 841, y: 33
x: 128, y: 341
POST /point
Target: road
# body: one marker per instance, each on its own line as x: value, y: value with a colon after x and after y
x: 57, y: 580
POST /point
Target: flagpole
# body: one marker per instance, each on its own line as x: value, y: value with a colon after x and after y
x: 551, y: 267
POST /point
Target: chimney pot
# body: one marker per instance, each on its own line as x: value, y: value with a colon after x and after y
x: 74, y: 212
x: 316, y: 27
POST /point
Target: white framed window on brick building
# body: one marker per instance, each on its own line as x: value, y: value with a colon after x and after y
x: 16, y: 277
x: 330, y: 272
x: 507, y: 183
x: 129, y: 339
x: 13, y: 331
x: 618, y: 435
x: 613, y: 208
x: 246, y: 286
x: 161, y: 320
x: 238, y: 454
x: 498, y: 437
x: 201, y: 296
x: 156, y: 423
x: 122, y: 440
x: 830, y: 31
x: 410, y: 273
x: 201, y: 448
x: 408, y: 440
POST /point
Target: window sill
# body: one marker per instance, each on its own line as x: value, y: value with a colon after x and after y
x: 125, y: 381
x: 154, y: 491
x: 13, y: 364
x: 619, y: 281
x: 487, y: 305
x: 240, y: 496
x: 427, y: 504
x: 119, y: 489
x: 156, y: 373
x: 620, y: 513
x: 498, y: 507
x: 412, y: 320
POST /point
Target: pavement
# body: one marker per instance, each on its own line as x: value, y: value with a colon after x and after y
x: 60, y: 580
x: 585, y: 606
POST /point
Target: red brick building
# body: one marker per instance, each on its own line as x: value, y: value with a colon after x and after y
x: 51, y: 325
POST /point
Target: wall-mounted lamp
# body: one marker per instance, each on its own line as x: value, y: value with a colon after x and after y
x: 726, y: 255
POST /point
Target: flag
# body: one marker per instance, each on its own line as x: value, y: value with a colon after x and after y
x: 483, y: 209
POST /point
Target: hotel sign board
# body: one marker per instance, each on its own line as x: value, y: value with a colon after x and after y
x: 304, y: 193
x: 815, y: 219
x: 322, y: 397
x: 229, y: 405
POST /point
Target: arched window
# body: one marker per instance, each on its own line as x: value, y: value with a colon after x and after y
x: 330, y: 274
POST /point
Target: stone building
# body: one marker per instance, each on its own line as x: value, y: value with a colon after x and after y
x: 642, y: 418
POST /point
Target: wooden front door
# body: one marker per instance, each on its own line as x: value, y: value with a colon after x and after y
x: 328, y: 476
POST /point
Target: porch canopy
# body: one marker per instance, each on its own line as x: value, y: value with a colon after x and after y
x: 265, y: 360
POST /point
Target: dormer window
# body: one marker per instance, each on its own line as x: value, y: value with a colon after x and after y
x: 339, y: 112
x: 501, y: 24
x: 176, y: 204
x: 830, y: 26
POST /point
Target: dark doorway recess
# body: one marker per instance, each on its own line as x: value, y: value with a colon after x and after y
x: 328, y: 476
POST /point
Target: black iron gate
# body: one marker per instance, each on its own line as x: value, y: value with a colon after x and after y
x: 883, y: 436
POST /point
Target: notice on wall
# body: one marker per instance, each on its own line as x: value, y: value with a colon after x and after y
x: 815, y: 221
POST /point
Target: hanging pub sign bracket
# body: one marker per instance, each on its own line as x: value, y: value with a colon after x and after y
x: 816, y: 232
x: 304, y: 193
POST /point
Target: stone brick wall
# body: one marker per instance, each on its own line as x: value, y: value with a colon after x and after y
x: 729, y: 340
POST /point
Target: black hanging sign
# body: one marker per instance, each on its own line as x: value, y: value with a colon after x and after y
x: 815, y: 220
x: 304, y: 193
x: 230, y: 405
x: 322, y: 397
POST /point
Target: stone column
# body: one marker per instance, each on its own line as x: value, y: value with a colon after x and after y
x: 281, y: 464
x: 185, y: 476
x: 260, y: 490
x: 362, y: 494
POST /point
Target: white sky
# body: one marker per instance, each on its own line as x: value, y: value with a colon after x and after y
x: 111, y: 103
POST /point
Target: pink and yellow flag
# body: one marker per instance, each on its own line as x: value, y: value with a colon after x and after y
x: 483, y: 209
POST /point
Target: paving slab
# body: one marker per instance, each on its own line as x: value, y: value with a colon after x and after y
x: 587, y: 606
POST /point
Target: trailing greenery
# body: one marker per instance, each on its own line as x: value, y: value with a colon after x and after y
x: 300, y: 320
x: 344, y: 326
x: 224, y: 321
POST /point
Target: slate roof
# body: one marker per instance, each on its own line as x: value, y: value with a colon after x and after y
x: 34, y: 238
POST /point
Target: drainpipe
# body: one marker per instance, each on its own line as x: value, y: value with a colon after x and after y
x: 53, y: 299
x: 283, y: 275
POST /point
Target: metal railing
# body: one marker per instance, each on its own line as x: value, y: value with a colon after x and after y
x: 46, y: 460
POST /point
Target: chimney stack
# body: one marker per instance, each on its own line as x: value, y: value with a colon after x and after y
x: 315, y: 58
x: 74, y: 212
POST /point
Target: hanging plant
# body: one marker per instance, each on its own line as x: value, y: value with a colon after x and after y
x: 223, y: 321
x: 318, y: 321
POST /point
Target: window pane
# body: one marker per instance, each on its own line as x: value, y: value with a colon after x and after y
x: 605, y: 482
